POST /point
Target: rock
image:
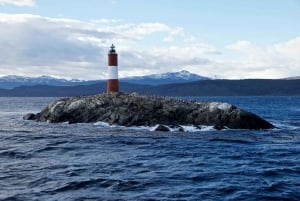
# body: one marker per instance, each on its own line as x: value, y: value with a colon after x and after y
x: 162, y: 128
x: 138, y: 110
x: 177, y: 128
x: 29, y: 116
x: 181, y: 129
x: 219, y: 127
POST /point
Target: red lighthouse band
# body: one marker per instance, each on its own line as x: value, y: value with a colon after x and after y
x: 112, y: 82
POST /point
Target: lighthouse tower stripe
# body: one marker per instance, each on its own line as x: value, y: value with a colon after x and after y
x: 113, y: 59
x: 112, y: 72
x: 112, y: 79
x: 112, y: 86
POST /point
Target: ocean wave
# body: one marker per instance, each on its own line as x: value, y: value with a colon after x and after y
x: 229, y: 140
x: 119, y: 185
x: 286, y: 125
x: 14, y: 154
x: 15, y: 130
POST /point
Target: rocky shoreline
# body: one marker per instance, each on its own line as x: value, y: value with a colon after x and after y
x: 138, y: 110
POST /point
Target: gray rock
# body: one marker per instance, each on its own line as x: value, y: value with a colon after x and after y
x: 162, y: 128
x: 29, y: 116
x: 137, y: 110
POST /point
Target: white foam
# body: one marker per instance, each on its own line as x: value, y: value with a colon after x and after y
x: 107, y: 125
x: 153, y: 128
x: 101, y: 123
x: 207, y: 128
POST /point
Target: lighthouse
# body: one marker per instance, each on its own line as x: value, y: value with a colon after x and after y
x: 112, y: 81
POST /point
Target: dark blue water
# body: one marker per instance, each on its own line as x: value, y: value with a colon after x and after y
x: 40, y: 161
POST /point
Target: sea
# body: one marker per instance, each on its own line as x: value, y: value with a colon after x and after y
x: 95, y: 161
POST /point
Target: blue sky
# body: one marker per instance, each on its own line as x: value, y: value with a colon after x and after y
x: 227, y: 39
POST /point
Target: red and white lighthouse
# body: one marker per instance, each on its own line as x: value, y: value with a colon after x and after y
x: 112, y: 81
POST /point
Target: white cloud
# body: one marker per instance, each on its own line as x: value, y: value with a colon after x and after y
x: 270, y: 61
x: 289, y: 49
x: 33, y: 45
x: 244, y: 47
x: 17, y: 2
x: 36, y: 45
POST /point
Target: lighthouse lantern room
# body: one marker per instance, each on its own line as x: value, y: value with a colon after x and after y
x: 112, y: 81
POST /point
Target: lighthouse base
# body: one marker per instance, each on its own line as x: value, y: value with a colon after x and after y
x: 112, y: 85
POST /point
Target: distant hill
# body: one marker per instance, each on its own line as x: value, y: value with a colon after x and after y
x: 250, y: 87
x: 62, y: 91
x: 247, y: 87
x: 10, y: 82
x: 292, y: 78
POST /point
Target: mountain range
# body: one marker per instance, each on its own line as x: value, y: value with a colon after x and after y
x: 180, y: 83
x: 12, y: 81
x: 165, y: 78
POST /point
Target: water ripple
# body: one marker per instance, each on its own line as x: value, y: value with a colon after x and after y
x: 40, y: 161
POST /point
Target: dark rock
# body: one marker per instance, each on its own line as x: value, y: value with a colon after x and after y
x: 162, y: 128
x: 219, y: 127
x: 177, y: 128
x: 181, y: 129
x: 29, y: 116
x: 137, y: 110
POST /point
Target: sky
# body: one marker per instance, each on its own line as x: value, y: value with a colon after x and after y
x: 226, y: 39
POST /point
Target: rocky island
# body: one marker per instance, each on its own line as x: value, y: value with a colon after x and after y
x: 139, y: 110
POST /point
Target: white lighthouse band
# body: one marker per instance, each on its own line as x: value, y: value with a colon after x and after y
x: 112, y: 72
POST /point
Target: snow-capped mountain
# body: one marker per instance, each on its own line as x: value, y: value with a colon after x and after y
x: 12, y: 81
x: 165, y: 78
